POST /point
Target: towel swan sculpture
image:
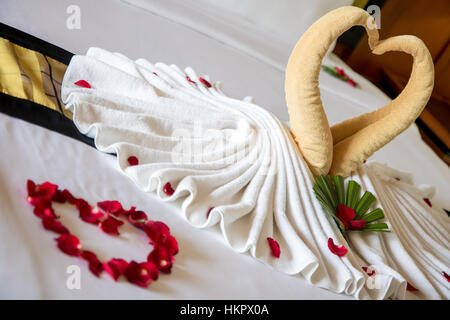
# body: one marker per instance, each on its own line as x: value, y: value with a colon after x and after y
x: 234, y: 163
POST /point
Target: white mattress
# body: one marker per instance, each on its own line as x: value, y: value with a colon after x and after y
x: 30, y: 264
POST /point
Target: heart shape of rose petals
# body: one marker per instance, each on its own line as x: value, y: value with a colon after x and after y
x: 160, y: 259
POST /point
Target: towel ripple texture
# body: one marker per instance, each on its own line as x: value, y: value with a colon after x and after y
x: 239, y: 159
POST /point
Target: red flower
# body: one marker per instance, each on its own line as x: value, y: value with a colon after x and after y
x: 168, y: 189
x: 274, y: 247
x: 83, y: 83
x: 87, y: 214
x: 110, y: 225
x: 43, y: 209
x: 446, y: 276
x: 115, y: 267
x: 52, y: 224
x: 95, y: 265
x: 366, y: 271
x: 428, y: 202
x: 141, y: 274
x: 337, y: 250
x: 162, y: 258
x: 205, y: 82
x: 189, y: 79
x: 114, y: 207
x: 133, y: 161
x: 69, y: 244
x: 346, y: 215
x: 209, y: 211
x: 409, y: 287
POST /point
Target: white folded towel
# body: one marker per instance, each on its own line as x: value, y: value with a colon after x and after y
x: 238, y: 158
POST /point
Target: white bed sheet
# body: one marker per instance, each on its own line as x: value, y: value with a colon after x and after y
x: 205, y: 267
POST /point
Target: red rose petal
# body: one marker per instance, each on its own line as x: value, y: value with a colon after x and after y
x: 357, y: 224
x: 87, y: 214
x: 340, y: 251
x: 168, y: 189
x: 137, y: 217
x: 69, y: 244
x: 110, y: 225
x: 409, y: 287
x: 59, y: 197
x: 133, y: 161
x: 345, y: 223
x: 209, y: 211
x: 446, y: 276
x: 346, y: 213
x: 340, y: 71
x: 169, y: 242
x: 83, y: 83
x: 43, y: 208
x: 205, y: 82
x: 114, y: 207
x: 31, y: 186
x: 351, y: 82
x: 69, y: 197
x: 162, y: 258
x: 141, y: 274
x: 189, y: 79
x: 366, y: 271
x: 130, y: 211
x: 155, y: 230
x: 115, y: 267
x: 274, y: 247
x: 44, y: 191
x: 95, y: 265
x: 52, y: 224
x: 428, y: 202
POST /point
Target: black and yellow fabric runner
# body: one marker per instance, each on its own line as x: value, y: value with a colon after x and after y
x: 31, y: 73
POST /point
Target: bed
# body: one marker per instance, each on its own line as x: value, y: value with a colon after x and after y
x: 184, y: 34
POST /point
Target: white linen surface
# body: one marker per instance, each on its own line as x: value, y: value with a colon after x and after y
x: 266, y: 30
x: 240, y: 159
x: 137, y: 33
x: 286, y: 19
